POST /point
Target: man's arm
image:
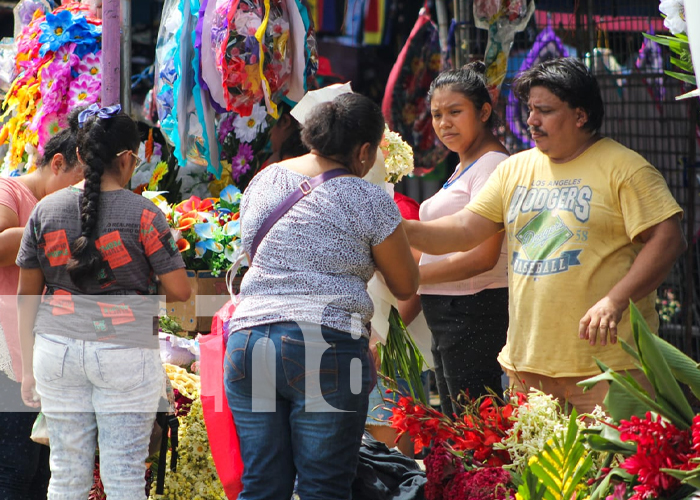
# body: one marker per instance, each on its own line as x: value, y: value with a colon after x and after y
x: 663, y: 244
x: 454, y: 233
x: 463, y: 265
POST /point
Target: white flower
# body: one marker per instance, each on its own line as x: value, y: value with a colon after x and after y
x: 674, y: 10
x: 398, y: 156
x: 247, y: 128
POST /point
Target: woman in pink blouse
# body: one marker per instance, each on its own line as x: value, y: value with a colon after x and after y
x: 465, y: 295
x: 24, y: 465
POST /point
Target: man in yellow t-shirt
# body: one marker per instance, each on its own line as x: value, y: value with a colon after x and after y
x: 589, y: 225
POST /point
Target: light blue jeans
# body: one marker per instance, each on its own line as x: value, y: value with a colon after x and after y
x: 97, y: 393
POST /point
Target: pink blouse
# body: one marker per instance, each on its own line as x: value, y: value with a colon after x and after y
x: 452, y: 198
x: 18, y: 198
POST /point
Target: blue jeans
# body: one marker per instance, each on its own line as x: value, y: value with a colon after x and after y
x: 299, y: 405
x: 97, y: 393
x: 24, y: 464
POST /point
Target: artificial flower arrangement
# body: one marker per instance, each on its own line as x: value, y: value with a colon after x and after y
x: 503, y: 19
x: 58, y: 68
x: 243, y: 139
x: 207, y: 231
x: 669, y: 307
x: 223, y: 67
x: 251, y: 53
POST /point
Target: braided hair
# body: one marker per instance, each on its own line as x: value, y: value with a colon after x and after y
x: 99, y: 140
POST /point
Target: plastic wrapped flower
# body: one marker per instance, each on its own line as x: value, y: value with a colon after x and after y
x: 83, y: 91
x: 247, y: 23
x: 55, y: 31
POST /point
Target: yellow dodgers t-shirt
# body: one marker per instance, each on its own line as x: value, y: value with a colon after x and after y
x: 570, y: 229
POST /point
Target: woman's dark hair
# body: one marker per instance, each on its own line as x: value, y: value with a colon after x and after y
x: 63, y: 143
x: 469, y: 81
x: 292, y: 146
x: 99, y: 141
x: 339, y: 127
x: 571, y: 81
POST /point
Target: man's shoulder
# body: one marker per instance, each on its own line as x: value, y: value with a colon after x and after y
x: 523, y: 157
x: 609, y: 150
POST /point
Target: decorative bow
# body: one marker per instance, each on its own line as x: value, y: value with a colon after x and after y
x: 93, y: 110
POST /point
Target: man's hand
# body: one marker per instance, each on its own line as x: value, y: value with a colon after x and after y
x: 600, y: 321
x: 29, y: 395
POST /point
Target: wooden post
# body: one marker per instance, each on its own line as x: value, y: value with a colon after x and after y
x: 111, y: 18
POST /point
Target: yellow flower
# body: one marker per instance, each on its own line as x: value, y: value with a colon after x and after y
x: 216, y: 186
x: 158, y: 173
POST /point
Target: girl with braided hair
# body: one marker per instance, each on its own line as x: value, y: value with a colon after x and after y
x: 96, y: 371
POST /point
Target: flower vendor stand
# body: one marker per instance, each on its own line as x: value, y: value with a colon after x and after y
x: 209, y: 294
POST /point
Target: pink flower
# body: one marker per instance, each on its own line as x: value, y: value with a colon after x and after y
x: 49, y: 125
x: 91, y: 65
x: 84, y: 91
x: 66, y: 56
x: 54, y: 83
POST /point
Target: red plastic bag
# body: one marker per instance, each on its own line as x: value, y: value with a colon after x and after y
x: 221, y: 428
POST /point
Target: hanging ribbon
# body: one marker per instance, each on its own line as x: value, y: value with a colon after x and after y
x: 260, y: 36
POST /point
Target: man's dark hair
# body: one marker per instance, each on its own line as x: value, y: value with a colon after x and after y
x: 568, y: 79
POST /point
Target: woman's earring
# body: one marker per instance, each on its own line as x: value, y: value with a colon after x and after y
x: 363, y: 161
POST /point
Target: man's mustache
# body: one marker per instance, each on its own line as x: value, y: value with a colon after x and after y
x: 535, y: 130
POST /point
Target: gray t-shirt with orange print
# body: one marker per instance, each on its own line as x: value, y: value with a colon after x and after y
x: 134, y: 239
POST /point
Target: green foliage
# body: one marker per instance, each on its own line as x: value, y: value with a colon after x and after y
x: 664, y: 366
x: 401, y: 358
x: 557, y: 472
x: 678, y: 44
x: 170, y: 325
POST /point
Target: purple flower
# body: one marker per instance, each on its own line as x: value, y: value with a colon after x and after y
x: 240, y: 164
x: 225, y: 128
x: 246, y: 150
